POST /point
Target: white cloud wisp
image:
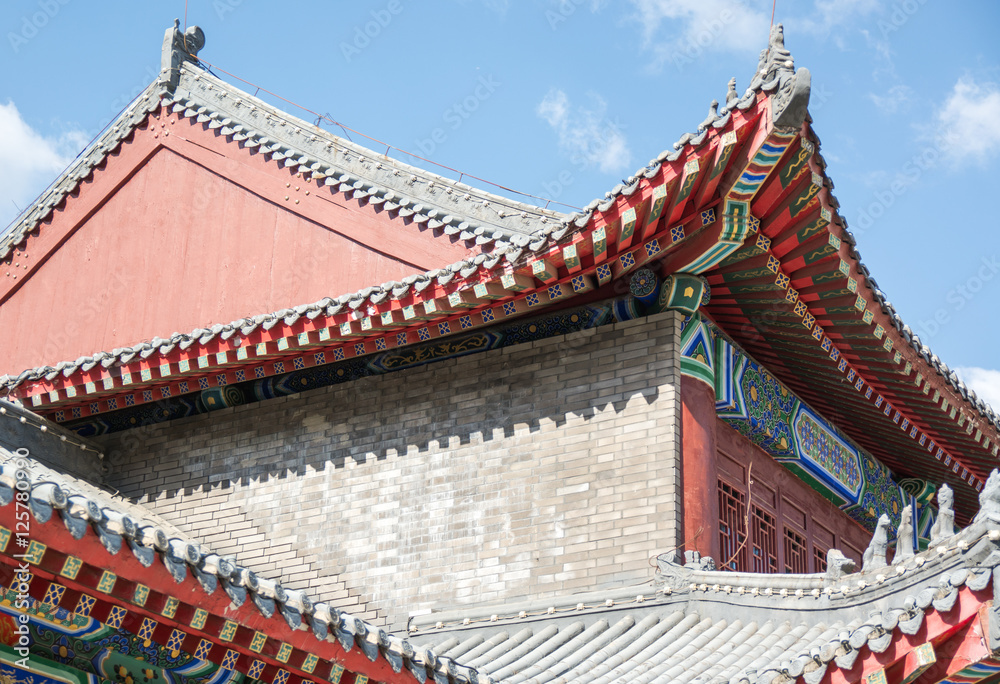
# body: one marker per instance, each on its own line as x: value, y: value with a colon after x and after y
x: 585, y: 133
x: 29, y: 161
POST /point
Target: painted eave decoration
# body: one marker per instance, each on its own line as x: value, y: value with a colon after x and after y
x: 744, y: 203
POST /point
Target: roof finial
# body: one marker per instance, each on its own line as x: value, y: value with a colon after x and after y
x: 874, y: 557
x: 775, y: 59
x: 944, y: 524
x: 732, y: 97
x: 177, y: 48
x: 713, y: 114
x: 776, y: 74
x: 904, y: 536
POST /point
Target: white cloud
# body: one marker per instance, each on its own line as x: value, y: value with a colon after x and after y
x: 585, y: 133
x: 967, y: 124
x: 699, y: 26
x: 29, y: 161
x: 554, y: 108
x: 884, y: 66
x: 894, y: 98
x: 985, y: 381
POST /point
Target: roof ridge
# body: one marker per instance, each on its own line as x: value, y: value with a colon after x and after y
x: 82, y: 166
x: 218, y: 94
x: 873, y: 608
x: 81, y: 505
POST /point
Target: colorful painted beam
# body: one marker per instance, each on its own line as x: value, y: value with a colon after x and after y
x: 755, y: 403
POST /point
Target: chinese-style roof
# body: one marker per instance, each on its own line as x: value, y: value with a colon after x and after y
x: 745, y: 202
x: 442, y: 204
x: 920, y: 614
x: 134, y: 568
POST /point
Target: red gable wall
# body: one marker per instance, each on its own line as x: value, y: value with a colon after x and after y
x: 187, y: 230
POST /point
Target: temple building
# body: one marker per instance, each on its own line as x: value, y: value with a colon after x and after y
x: 415, y: 431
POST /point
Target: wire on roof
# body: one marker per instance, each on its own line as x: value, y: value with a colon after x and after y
x: 334, y: 122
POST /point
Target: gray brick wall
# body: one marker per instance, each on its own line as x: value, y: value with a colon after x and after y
x: 543, y: 468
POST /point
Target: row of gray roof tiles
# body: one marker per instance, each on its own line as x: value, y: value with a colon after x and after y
x: 508, y: 247
x: 81, y: 168
x: 247, y: 119
x: 965, y: 559
x: 359, y: 188
x: 289, y: 155
x: 52, y: 494
x: 669, y: 645
x: 671, y: 637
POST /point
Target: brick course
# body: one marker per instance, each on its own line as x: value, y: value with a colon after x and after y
x: 542, y: 468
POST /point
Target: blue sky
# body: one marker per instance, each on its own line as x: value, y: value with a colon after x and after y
x: 564, y: 98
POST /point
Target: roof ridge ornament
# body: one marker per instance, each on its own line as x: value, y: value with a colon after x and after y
x: 732, y: 97
x: 989, y: 501
x: 874, y: 557
x: 944, y: 524
x: 177, y: 48
x: 776, y: 72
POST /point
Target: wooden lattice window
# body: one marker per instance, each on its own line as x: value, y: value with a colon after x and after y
x: 796, y: 554
x: 764, y: 541
x: 783, y: 533
x: 732, y: 519
x: 819, y: 559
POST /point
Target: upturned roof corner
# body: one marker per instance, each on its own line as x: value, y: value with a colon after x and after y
x: 777, y: 68
x: 179, y: 47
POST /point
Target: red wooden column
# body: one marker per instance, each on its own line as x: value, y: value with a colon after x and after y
x: 699, y: 468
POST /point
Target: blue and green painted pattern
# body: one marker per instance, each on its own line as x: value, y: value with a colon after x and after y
x: 735, y: 229
x: 976, y: 672
x: 761, y: 165
x: 751, y: 400
x: 682, y: 292
x: 70, y: 648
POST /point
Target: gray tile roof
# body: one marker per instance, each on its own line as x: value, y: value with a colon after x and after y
x: 127, y: 528
x: 512, y: 231
x: 350, y: 169
x: 694, y: 625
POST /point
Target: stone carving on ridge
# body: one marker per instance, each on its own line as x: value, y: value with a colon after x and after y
x: 777, y: 69
x: 732, y: 97
x: 178, y: 48
x: 838, y: 565
x: 874, y: 557
x: 944, y: 524
x: 989, y: 500
x: 713, y: 114
x: 904, y: 536
x: 693, y: 559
